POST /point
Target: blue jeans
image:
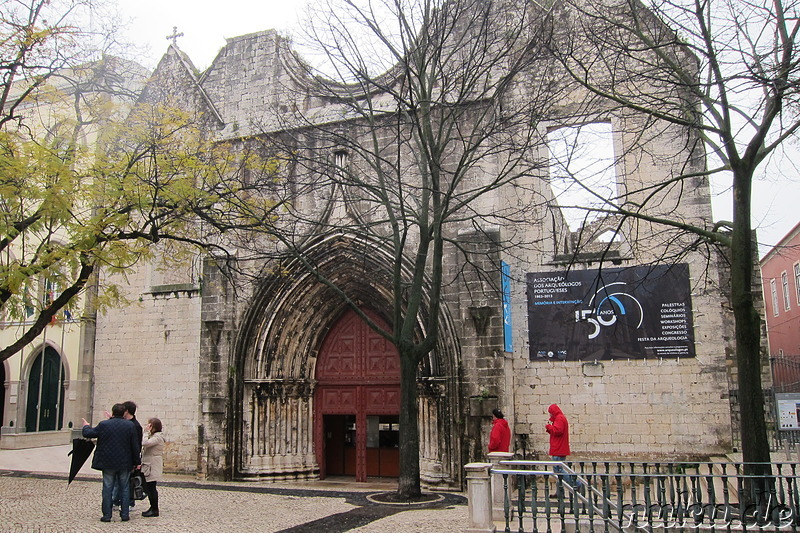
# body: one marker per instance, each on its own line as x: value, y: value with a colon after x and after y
x: 116, y: 481
x: 569, y: 478
x: 115, y: 499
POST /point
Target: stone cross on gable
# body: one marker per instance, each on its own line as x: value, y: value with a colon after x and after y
x: 174, y: 36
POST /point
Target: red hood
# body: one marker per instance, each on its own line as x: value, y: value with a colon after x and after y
x: 554, y: 411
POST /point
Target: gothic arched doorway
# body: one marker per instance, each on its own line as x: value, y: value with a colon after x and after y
x: 45, y: 392
x: 357, y: 401
x: 291, y: 371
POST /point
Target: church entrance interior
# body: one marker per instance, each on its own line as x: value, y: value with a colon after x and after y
x: 357, y: 402
x: 383, y: 441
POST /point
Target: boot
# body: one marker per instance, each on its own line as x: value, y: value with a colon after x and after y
x: 152, y: 495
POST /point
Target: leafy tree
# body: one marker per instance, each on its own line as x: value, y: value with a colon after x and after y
x: 86, y: 186
x: 69, y: 211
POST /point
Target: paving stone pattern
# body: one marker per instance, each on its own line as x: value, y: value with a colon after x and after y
x: 40, y: 503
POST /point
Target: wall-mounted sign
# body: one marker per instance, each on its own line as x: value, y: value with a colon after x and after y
x: 788, y: 405
x: 508, y: 333
x: 613, y: 313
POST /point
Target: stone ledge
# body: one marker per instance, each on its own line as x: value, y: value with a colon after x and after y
x: 177, y: 287
x: 11, y: 440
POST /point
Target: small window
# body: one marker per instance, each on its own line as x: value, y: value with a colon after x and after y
x: 29, y: 301
x: 340, y: 163
x: 797, y: 281
x: 774, y: 290
x: 785, y: 288
x: 51, y: 292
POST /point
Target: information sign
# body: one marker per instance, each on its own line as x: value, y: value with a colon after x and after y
x: 636, y: 313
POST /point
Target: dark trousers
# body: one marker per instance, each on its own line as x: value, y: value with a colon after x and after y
x: 152, y: 495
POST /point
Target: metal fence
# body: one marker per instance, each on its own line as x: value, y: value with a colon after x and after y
x: 648, y: 497
x: 785, y: 371
x: 775, y: 438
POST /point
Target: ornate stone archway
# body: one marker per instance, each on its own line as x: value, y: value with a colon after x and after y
x: 272, y: 434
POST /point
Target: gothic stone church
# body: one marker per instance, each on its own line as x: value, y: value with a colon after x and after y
x: 278, y: 379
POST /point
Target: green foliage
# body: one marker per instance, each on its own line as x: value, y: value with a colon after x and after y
x: 69, y: 206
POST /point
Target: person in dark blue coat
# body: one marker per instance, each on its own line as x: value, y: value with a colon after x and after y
x: 116, y: 454
x: 130, y: 414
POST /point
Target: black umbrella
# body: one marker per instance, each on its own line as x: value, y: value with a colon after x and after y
x: 81, y: 450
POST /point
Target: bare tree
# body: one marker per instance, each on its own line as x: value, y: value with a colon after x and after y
x: 426, y: 109
x: 719, y: 77
x: 43, y: 39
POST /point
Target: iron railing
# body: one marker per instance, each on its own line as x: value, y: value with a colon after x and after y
x: 648, y: 497
x: 785, y: 371
x: 776, y: 439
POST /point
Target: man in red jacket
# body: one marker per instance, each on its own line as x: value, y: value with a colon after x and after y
x: 558, y: 428
x: 500, y: 437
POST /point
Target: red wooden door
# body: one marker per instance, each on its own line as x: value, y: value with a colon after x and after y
x: 358, y: 374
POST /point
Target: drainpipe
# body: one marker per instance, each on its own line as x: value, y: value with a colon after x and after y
x: 86, y: 359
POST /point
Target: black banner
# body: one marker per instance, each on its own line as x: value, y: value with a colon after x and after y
x: 613, y: 313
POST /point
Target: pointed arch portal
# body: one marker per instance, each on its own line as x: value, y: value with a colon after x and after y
x: 316, y: 392
x: 45, y: 392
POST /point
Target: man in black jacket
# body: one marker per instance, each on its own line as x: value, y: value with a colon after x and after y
x: 116, y: 454
x: 130, y: 414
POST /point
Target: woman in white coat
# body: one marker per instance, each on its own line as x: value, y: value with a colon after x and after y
x: 152, y: 462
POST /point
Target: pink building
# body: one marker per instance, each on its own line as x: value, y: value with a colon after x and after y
x: 780, y: 272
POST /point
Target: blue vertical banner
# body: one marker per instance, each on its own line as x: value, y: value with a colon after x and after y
x: 508, y: 346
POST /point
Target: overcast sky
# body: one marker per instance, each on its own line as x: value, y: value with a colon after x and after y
x: 206, y: 24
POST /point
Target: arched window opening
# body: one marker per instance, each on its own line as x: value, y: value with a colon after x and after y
x: 609, y: 236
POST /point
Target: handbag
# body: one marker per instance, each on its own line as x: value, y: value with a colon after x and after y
x: 137, y: 485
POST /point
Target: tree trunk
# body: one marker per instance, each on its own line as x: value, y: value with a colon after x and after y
x: 755, y: 444
x: 408, y: 485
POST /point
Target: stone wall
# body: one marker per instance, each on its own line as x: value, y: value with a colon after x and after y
x: 148, y: 352
x: 206, y: 369
x: 623, y: 408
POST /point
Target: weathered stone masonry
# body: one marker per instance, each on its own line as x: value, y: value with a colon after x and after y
x: 232, y: 372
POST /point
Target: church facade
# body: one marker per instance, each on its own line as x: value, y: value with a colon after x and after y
x: 275, y: 377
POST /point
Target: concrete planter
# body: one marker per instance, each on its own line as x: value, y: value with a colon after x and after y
x: 482, y: 405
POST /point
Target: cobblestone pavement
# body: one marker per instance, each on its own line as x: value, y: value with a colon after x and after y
x: 45, y: 503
